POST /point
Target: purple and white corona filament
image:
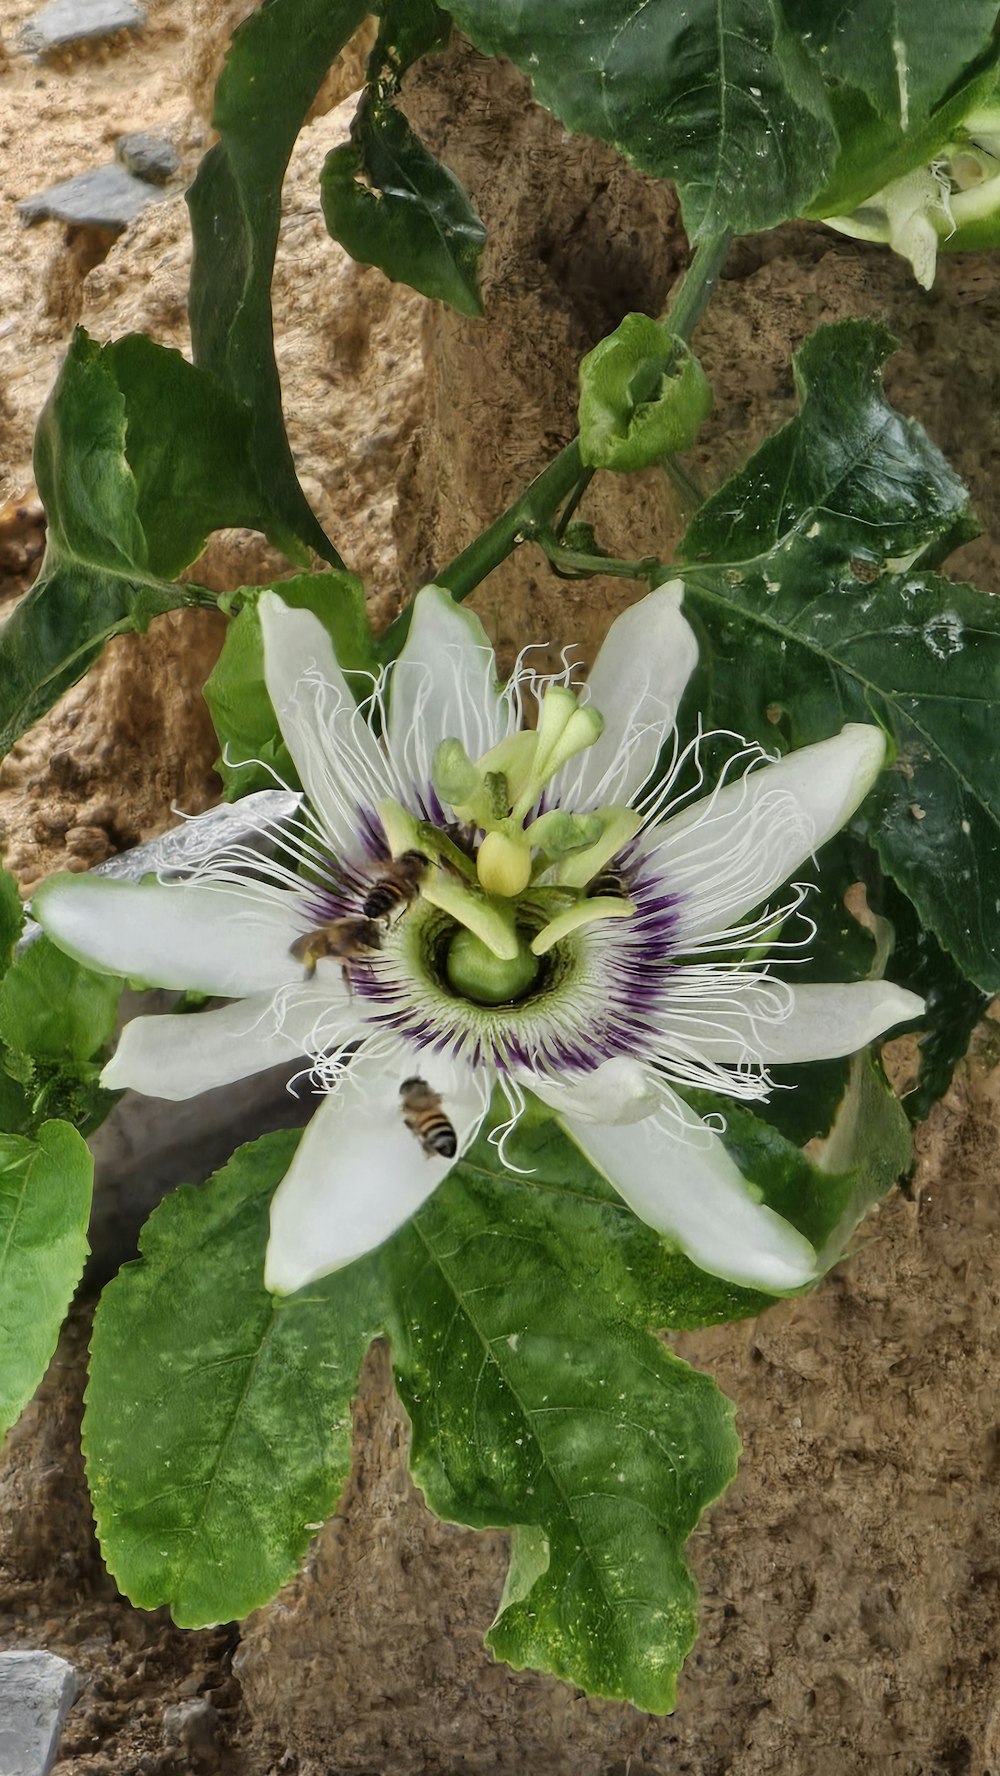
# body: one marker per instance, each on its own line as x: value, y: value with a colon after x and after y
x: 573, y: 933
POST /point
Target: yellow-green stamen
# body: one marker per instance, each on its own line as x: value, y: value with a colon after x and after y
x: 585, y: 912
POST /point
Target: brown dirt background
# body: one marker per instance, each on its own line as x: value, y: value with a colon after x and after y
x: 850, y: 1578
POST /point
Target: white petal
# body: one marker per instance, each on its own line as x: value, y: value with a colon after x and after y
x: 678, y: 1177
x: 617, y: 1091
x: 359, y: 1172
x: 824, y: 1022
x: 212, y: 936
x: 729, y: 851
x: 179, y: 1055
x: 443, y: 686
x: 636, y: 683
x: 335, y: 752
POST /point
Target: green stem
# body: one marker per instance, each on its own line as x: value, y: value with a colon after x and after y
x: 571, y: 563
x: 534, y: 509
x: 692, y: 295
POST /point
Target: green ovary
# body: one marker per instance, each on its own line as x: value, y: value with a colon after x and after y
x: 477, y: 974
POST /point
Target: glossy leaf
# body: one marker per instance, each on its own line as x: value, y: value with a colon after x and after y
x: 901, y: 75
x: 390, y: 203
x: 45, y: 1188
x: 815, y: 618
x: 217, y: 1430
x: 954, y: 1005
x: 253, y: 751
x: 276, y: 63
x: 719, y: 95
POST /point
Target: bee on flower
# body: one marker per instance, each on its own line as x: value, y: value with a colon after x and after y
x: 544, y: 915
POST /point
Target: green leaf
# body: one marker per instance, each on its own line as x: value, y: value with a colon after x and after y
x: 45, y: 1187
x: 96, y: 579
x: 11, y: 919
x: 276, y: 63
x: 53, y: 1008
x: 217, y: 1429
x: 814, y: 618
x: 407, y: 29
x: 954, y: 1006
x: 542, y: 1402
x: 718, y: 95
x: 520, y: 1306
x: 642, y: 393
x: 390, y: 203
x: 386, y: 199
x: 253, y: 751
x: 188, y: 444
x: 901, y: 75
x: 502, y: 1290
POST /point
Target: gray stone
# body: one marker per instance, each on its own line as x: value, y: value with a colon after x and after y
x: 76, y: 21
x: 37, y: 1691
x: 107, y: 197
x: 194, y: 1729
x: 148, y: 157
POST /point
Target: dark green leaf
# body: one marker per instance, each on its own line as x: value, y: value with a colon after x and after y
x: 719, y: 95
x: 901, y: 75
x: 954, y: 1006
x: 45, y: 1187
x: 217, y: 1430
x: 548, y: 1406
x: 392, y: 204
x: 253, y: 750
x: 96, y: 580
x: 188, y: 444
x: 848, y: 481
x: 53, y: 1008
x: 814, y: 620
x: 275, y: 66
x: 407, y: 29
x: 642, y: 393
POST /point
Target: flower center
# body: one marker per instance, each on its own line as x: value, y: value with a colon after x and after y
x: 472, y: 970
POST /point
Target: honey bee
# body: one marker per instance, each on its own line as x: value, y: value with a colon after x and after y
x: 424, y: 1117
x: 347, y: 940
x: 396, y: 886
x: 610, y: 882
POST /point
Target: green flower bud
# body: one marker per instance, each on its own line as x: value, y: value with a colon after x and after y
x: 643, y: 394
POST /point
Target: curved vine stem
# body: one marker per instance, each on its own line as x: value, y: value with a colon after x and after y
x: 566, y: 476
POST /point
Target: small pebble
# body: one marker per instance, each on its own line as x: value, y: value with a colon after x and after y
x: 192, y: 1728
x: 148, y: 157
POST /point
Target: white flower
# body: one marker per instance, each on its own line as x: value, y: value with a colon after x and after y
x: 561, y: 931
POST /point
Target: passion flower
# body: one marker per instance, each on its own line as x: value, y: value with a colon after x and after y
x: 465, y: 901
